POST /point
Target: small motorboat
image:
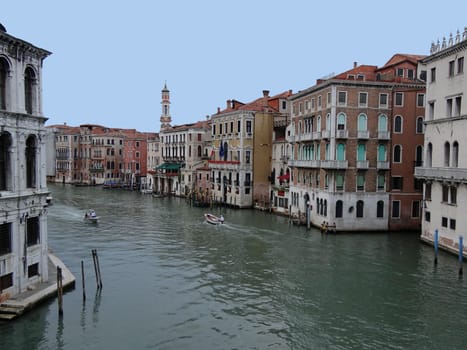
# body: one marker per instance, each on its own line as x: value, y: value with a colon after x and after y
x: 91, y: 216
x: 48, y: 200
x: 213, y: 219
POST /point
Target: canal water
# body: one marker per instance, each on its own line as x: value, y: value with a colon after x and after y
x: 172, y: 281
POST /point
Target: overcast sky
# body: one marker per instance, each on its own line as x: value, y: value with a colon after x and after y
x: 110, y: 58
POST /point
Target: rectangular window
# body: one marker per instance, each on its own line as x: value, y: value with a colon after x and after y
x: 362, y: 99
x: 383, y: 100
x: 5, y: 239
x: 452, y: 224
x: 33, y: 270
x: 6, y: 281
x: 239, y: 125
x: 427, y: 216
x: 433, y: 75
x: 319, y: 101
x: 342, y: 98
x: 444, y: 221
x: 428, y: 191
x: 451, y: 68
x: 213, y: 131
x: 399, y: 99
x: 410, y: 73
x: 445, y: 196
x: 329, y: 98
x: 248, y: 126
x: 453, y: 193
x: 457, y: 106
x: 416, y: 209
x: 312, y: 103
x: 460, y: 65
x: 397, y: 183
x: 396, y: 208
x: 431, y: 110
x: 420, y: 100
x: 33, y: 232
x: 400, y: 72
x: 449, y: 107
x: 247, y: 157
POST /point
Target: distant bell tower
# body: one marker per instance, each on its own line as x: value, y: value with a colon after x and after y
x: 166, y: 119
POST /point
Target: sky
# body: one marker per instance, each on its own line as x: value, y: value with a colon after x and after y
x: 111, y: 58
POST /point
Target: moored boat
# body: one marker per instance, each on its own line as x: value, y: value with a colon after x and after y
x: 213, y: 219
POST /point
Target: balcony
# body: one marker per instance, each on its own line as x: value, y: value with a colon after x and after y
x: 382, y: 165
x: 304, y: 163
x: 316, y: 135
x: 334, y: 164
x: 224, y: 164
x: 363, y: 135
x: 342, y: 134
x: 306, y: 137
x: 442, y: 174
x: 325, y: 134
x: 383, y: 135
x: 362, y: 164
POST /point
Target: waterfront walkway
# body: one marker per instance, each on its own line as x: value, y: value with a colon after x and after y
x: 20, y: 303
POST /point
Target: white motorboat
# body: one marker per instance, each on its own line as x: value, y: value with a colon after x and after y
x: 213, y: 219
x: 91, y: 216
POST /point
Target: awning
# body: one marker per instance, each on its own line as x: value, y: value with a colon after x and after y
x: 285, y: 177
x: 170, y: 166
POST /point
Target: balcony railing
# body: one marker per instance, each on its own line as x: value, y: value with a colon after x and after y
x: 325, y: 134
x: 224, y: 164
x: 363, y: 134
x: 382, y: 165
x: 444, y: 173
x: 334, y: 164
x: 383, y: 135
x: 362, y: 164
x: 342, y: 134
x: 304, y: 163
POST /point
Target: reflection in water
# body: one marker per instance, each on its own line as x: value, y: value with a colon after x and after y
x: 256, y: 282
x: 59, y: 337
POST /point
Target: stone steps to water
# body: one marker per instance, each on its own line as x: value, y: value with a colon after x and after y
x: 8, y: 311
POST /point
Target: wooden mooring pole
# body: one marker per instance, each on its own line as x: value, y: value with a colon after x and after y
x: 60, y: 291
x: 461, y: 250
x: 97, y: 268
x: 82, y: 280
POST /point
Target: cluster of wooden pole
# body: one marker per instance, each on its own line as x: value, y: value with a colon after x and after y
x: 461, y: 249
x: 97, y: 270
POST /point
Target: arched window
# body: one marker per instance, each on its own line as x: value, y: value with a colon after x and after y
x: 199, y: 151
x: 326, y: 151
x: 29, y: 82
x: 455, y: 154
x: 5, y: 170
x: 382, y: 123
x: 325, y: 207
x: 362, y: 122
x: 429, y: 154
x: 321, y: 206
x: 318, y: 124
x: 340, y: 154
x: 359, y: 209
x: 382, y: 153
x: 31, y: 161
x: 339, y: 209
x: 361, y: 152
x: 398, y: 124
x: 419, y: 126
x: 447, y: 153
x: 340, y: 121
x: 397, y: 158
x: 380, y: 209
x: 328, y: 121
x: 4, y: 68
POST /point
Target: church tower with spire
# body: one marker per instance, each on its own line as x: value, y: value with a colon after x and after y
x: 166, y: 119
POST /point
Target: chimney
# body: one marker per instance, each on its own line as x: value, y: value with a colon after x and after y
x: 265, y: 100
x: 218, y: 110
x: 228, y: 104
x: 355, y: 64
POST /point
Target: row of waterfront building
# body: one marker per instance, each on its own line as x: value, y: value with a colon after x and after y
x: 372, y: 148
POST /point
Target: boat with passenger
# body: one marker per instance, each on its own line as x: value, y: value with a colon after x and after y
x: 91, y: 216
x: 213, y: 219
